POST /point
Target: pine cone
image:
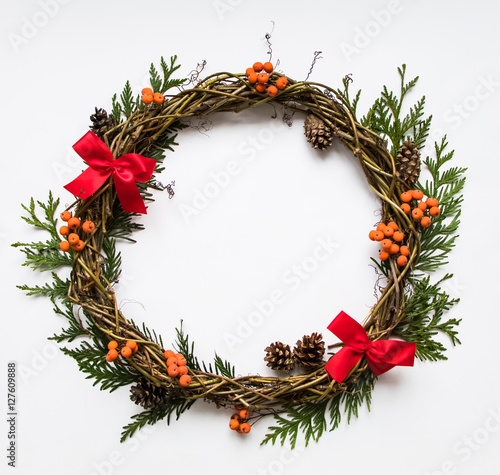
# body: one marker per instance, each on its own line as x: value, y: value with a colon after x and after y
x: 408, y: 166
x: 101, y: 123
x: 318, y: 134
x: 147, y: 395
x: 309, y: 352
x: 279, y: 356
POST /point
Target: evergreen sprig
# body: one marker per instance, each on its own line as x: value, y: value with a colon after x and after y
x: 185, y: 347
x: 56, y: 289
x: 43, y: 255
x: 314, y: 418
x: 221, y: 367
x: 424, y: 311
x: 75, y: 328
x: 446, y: 185
x: 385, y: 117
x: 91, y: 360
x: 111, y: 267
x: 128, y: 102
x: 172, y: 406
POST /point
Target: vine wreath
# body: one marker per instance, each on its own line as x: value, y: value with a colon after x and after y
x: 416, y: 236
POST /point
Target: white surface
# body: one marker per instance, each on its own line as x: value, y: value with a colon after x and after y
x: 210, y: 271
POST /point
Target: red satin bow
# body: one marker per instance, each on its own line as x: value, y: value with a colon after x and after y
x: 126, y: 171
x: 381, y: 355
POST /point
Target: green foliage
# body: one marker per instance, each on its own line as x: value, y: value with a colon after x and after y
x: 57, y: 289
x: 122, y: 224
x: 446, y: 185
x: 314, y: 418
x: 91, y: 360
x: 385, y: 117
x: 423, y: 320
x: 150, y: 334
x: 128, y: 103
x: 75, y: 328
x: 111, y: 267
x: 163, y: 84
x: 173, y: 405
x: 184, y: 346
x: 43, y: 255
x: 116, y: 110
x: 221, y: 367
x: 344, y: 94
x: 50, y: 221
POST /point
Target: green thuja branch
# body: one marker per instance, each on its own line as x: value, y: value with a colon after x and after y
x: 424, y: 319
x: 445, y: 185
x: 128, y: 102
x: 168, y: 70
x: 185, y: 347
x: 221, y: 367
x: 43, y: 255
x: 57, y: 289
x: 111, y: 267
x: 75, y: 328
x: 91, y: 360
x: 116, y: 110
x: 172, y: 406
x: 386, y: 118
x: 314, y: 418
x: 345, y: 95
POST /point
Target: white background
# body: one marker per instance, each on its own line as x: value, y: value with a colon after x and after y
x: 212, y: 269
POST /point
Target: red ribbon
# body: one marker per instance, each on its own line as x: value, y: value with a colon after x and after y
x: 381, y: 355
x: 126, y: 170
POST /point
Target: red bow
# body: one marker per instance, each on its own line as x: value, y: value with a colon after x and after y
x: 126, y: 171
x: 381, y: 355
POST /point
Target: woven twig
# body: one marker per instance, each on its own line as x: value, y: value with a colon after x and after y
x: 232, y: 93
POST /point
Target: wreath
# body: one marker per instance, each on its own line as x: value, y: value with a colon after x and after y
x: 124, y: 152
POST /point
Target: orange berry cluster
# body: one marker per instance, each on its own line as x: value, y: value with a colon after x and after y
x: 390, y: 239
x: 258, y: 74
x: 420, y: 207
x: 239, y: 420
x: 128, y: 350
x: 176, y: 367
x: 148, y: 96
x: 73, y: 240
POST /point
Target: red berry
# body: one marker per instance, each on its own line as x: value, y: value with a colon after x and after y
x: 258, y: 67
x: 417, y: 194
x: 406, y: 197
x: 65, y: 215
x: 432, y: 202
x: 268, y: 67
x: 383, y: 255
x: 65, y: 246
x: 173, y: 370
x: 244, y: 428
x: 434, y: 211
x: 73, y: 223
x: 402, y: 260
